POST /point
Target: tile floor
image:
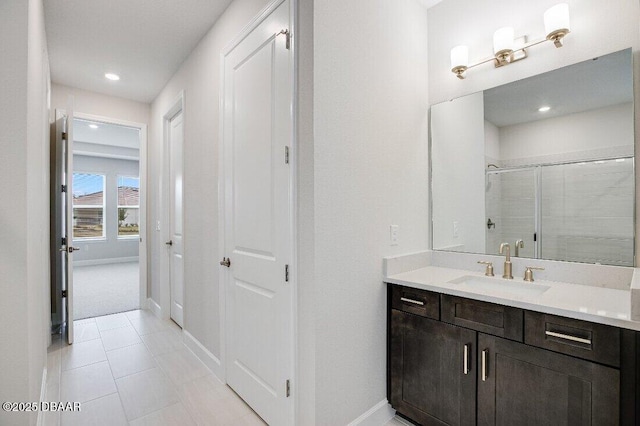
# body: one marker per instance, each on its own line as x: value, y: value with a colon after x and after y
x: 133, y: 369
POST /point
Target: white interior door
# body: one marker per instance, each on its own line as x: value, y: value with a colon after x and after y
x: 257, y: 129
x: 176, y: 245
x: 64, y: 135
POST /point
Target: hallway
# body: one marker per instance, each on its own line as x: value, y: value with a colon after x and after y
x: 133, y: 369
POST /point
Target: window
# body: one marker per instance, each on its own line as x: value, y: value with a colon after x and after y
x: 128, y: 206
x: 88, y: 205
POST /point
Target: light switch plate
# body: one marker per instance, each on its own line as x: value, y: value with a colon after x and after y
x: 455, y: 229
x: 157, y: 225
x: 393, y: 234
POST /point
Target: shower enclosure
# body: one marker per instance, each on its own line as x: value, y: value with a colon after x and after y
x: 580, y: 211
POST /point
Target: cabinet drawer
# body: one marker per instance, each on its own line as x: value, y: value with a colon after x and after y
x: 582, y: 339
x: 498, y: 320
x: 415, y: 301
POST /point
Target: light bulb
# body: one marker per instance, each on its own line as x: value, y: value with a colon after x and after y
x: 556, y: 18
x: 503, y: 40
x: 459, y: 56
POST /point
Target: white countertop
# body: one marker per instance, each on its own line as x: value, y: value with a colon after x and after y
x: 595, y: 304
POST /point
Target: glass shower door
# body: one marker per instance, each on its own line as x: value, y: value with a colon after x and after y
x: 511, y: 210
x: 587, y: 212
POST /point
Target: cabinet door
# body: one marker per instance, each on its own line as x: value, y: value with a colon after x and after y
x: 523, y: 385
x: 432, y: 380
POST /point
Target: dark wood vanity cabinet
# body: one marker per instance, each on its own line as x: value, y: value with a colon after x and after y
x: 524, y: 385
x: 487, y: 364
x: 432, y: 377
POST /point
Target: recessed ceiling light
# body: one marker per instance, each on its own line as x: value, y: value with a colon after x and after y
x: 111, y: 76
x: 544, y: 109
x: 93, y: 126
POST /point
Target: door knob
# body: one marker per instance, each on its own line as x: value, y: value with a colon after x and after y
x: 225, y: 262
x: 169, y: 243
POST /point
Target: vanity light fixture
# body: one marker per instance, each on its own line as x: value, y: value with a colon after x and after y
x: 508, y: 49
x: 544, y: 109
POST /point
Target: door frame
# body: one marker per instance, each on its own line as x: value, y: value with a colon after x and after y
x: 143, y: 171
x: 177, y: 106
x: 223, y: 274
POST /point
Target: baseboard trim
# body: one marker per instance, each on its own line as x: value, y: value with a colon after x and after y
x: 377, y: 415
x: 209, y: 359
x: 154, y: 308
x: 93, y: 262
x: 43, y: 395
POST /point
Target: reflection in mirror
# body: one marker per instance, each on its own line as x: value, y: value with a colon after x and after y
x: 548, y: 160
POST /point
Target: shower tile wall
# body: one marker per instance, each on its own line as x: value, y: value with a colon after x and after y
x: 587, y: 212
x: 513, y: 198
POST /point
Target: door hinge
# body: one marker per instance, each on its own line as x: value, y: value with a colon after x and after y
x: 64, y: 241
x: 288, y: 35
x: 535, y: 237
x: 288, y: 388
x: 64, y: 136
x: 286, y: 273
x: 286, y: 155
x: 64, y: 188
x: 64, y: 293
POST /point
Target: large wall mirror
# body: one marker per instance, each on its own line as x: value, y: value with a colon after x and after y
x: 545, y: 164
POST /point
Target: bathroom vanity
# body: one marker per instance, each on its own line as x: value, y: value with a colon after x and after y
x: 466, y: 360
x: 530, y: 165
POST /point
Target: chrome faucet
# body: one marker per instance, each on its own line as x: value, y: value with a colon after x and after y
x: 507, y: 261
x: 519, y: 245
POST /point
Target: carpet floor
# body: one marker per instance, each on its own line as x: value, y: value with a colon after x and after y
x: 105, y: 289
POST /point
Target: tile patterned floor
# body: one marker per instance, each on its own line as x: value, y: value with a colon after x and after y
x: 133, y: 369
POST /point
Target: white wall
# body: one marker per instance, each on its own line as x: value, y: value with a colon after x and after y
x: 305, y: 221
x: 454, y: 22
x: 24, y: 252
x: 608, y: 129
x: 111, y: 247
x: 457, y: 152
x: 199, y: 77
x: 98, y: 104
x: 371, y: 171
x: 491, y: 141
x: 369, y: 155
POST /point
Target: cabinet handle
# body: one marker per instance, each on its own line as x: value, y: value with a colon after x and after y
x: 465, y: 368
x: 568, y: 337
x: 415, y: 302
x: 485, y: 354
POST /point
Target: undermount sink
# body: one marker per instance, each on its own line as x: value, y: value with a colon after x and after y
x: 497, y: 286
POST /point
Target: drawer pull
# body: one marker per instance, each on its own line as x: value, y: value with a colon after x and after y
x: 465, y: 368
x: 568, y: 337
x: 485, y: 354
x: 415, y: 302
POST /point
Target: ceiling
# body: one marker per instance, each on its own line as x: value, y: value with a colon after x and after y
x: 429, y: 3
x: 144, y: 41
x: 588, y: 85
x: 106, y: 134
